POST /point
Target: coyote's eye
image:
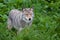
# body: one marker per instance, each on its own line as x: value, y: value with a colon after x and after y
x: 30, y: 14
x: 26, y: 14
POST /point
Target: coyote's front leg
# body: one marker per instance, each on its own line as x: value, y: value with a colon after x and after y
x: 19, y: 30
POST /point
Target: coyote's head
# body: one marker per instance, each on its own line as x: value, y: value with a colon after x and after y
x: 28, y: 14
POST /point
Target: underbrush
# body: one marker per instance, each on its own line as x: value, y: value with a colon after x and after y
x: 46, y: 23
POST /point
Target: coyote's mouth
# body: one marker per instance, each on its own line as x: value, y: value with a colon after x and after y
x: 27, y: 20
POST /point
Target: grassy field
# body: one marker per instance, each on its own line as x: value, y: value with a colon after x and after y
x: 46, y: 23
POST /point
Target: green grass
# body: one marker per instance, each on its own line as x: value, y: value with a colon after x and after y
x: 46, y: 23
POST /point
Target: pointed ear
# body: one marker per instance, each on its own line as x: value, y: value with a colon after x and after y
x: 32, y: 8
x: 24, y: 9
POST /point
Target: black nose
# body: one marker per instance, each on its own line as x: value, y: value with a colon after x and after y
x: 29, y: 19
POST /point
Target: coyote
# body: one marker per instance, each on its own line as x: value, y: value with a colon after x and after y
x: 19, y: 19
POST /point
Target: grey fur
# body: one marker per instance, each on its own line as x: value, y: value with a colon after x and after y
x: 17, y: 19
